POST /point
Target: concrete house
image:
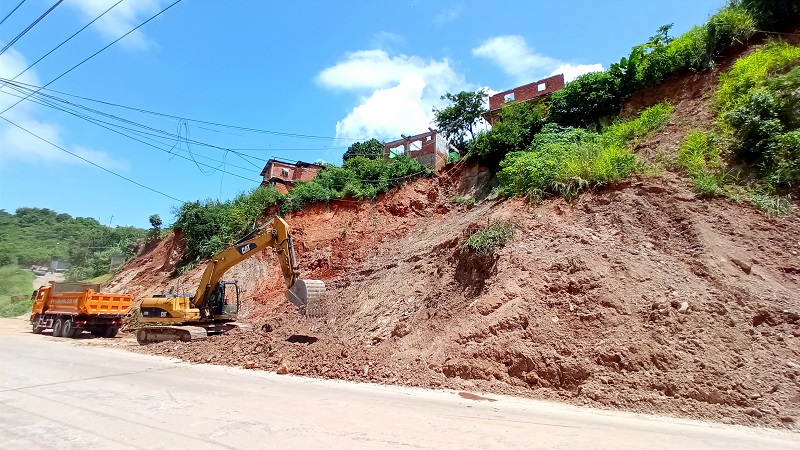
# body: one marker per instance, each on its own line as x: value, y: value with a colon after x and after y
x: 533, y: 92
x: 431, y: 149
x: 283, y: 174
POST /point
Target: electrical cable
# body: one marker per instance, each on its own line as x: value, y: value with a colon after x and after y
x: 170, y: 116
x: 12, y: 12
x: 63, y: 42
x: 97, y: 52
x: 98, y: 123
x: 13, y: 41
x: 92, y: 163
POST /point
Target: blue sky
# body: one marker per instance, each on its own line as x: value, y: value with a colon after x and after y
x: 331, y: 71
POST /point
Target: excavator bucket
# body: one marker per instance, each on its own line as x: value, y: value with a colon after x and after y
x: 307, y: 296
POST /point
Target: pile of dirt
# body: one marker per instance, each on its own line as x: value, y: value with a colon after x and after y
x: 643, y: 296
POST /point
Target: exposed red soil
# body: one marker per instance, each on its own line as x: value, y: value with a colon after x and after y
x: 642, y: 296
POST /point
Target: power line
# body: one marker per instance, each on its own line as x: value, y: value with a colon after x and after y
x: 140, y: 133
x: 12, y: 12
x: 97, y: 52
x: 170, y: 116
x: 90, y: 162
x: 99, y: 123
x: 64, y: 42
x: 29, y: 26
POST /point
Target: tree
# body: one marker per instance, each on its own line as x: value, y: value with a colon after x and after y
x: 155, y: 222
x: 371, y: 149
x: 461, y: 115
x: 155, y: 232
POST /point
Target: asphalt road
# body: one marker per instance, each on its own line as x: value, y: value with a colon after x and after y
x: 58, y: 393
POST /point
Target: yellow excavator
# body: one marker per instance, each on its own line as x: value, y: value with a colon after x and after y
x: 215, y: 305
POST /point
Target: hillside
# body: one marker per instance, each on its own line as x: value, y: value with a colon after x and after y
x: 644, y: 295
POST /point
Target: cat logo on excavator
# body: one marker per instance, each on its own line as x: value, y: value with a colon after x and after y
x: 244, y: 249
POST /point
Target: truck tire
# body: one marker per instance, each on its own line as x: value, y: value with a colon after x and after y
x: 57, y: 328
x: 35, y: 329
x: 111, y: 332
x: 67, y: 329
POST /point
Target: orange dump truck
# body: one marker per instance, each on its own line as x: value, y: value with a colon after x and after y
x: 71, y: 308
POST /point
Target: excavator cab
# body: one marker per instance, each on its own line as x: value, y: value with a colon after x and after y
x: 223, y: 303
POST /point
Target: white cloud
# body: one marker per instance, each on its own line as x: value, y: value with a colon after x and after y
x: 121, y: 19
x: 397, y: 94
x: 446, y: 16
x: 16, y: 144
x: 386, y: 40
x: 571, y: 72
x: 525, y: 64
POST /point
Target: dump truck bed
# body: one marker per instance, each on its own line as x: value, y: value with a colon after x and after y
x: 53, y: 300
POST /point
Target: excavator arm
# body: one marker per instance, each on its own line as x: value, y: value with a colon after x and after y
x: 277, y: 237
x: 302, y: 293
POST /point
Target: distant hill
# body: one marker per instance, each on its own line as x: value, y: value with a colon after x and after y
x: 36, y: 236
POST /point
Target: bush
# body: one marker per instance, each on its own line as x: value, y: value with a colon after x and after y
x: 651, y: 119
x: 519, y: 123
x: 731, y: 25
x: 565, y: 160
x: 699, y: 154
x: 591, y: 98
x: 765, y: 126
x: 490, y: 238
x: 564, y: 168
x: 772, y: 204
x: 771, y: 15
x: 751, y: 71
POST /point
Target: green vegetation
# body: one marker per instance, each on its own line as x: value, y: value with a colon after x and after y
x: 463, y: 200
x: 752, y: 71
x: 699, y: 154
x: 490, y: 238
x: 371, y: 149
x: 758, y: 103
x: 34, y: 236
x: 15, y: 282
x: 211, y: 226
x: 567, y: 160
x: 520, y: 122
x: 460, y: 116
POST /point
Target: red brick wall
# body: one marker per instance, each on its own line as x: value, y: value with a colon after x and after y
x: 275, y: 170
x: 305, y: 173
x: 529, y: 91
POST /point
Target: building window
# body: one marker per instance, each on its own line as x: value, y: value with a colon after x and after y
x: 541, y: 87
x: 284, y: 173
x: 508, y: 98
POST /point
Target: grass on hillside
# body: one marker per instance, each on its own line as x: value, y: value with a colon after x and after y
x: 490, y: 238
x: 565, y: 161
x: 15, y: 282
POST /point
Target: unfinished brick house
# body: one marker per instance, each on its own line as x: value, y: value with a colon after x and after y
x: 430, y: 149
x: 533, y: 92
x: 283, y: 174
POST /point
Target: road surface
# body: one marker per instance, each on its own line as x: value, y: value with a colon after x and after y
x: 58, y: 393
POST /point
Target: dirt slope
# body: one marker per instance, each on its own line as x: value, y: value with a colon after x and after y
x: 642, y: 296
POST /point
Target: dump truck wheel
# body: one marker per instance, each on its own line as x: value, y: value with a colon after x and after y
x: 67, y: 330
x: 35, y: 327
x: 57, y: 328
x: 110, y: 332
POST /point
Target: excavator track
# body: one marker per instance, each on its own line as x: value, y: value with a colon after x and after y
x: 151, y: 334
x: 307, y: 295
